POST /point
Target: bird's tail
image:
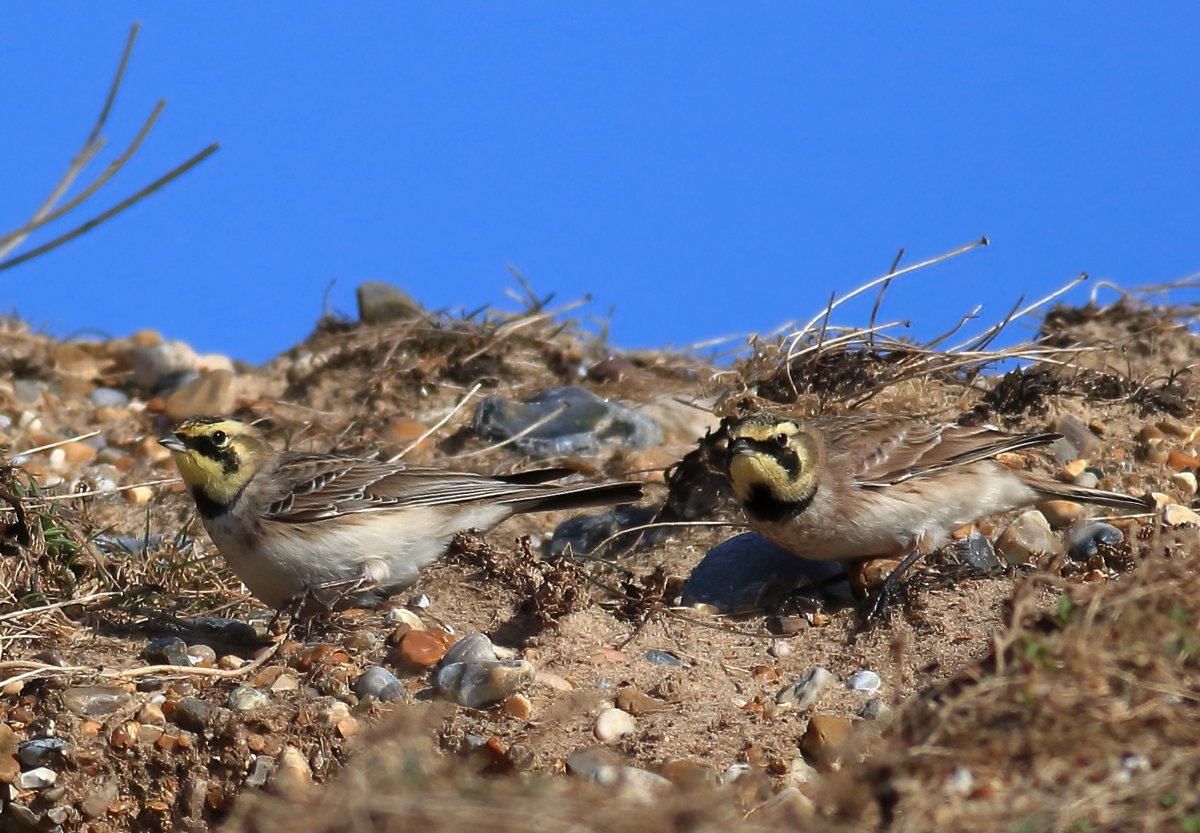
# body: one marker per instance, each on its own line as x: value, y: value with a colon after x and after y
x: 1049, y: 490
x: 547, y: 498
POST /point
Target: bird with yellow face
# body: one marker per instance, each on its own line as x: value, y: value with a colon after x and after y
x: 342, y: 528
x: 856, y: 487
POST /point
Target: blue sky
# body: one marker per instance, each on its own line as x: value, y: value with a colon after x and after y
x: 702, y: 168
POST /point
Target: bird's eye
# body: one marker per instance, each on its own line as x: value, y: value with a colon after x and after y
x: 782, y: 440
x: 218, y: 437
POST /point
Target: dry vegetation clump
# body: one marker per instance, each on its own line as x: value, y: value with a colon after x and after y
x: 1085, y: 716
x: 427, y: 363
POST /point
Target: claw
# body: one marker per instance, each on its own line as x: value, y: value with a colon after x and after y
x: 879, y: 601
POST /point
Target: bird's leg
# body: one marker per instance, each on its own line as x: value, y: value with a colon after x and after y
x: 879, y: 601
x: 292, y: 608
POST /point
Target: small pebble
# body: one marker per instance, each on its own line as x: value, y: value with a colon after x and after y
x: 518, y: 706
x: 108, y: 398
x: 9, y: 765
x: 138, y: 495
x: 94, y: 701
x: 27, y: 391
x: 43, y: 752
x: 825, y: 738
x: 125, y: 735
x: 22, y: 817
x: 1082, y: 441
x: 780, y: 648
x: 193, y: 714
x: 1179, y: 461
x: 260, y: 773
x: 38, y: 778
x: 1061, y: 513
x: 1085, y: 541
x: 1185, y: 482
x: 202, y: 656
x: 554, y: 681
x: 170, y: 650
x: 634, y: 784
x: 800, y: 771
x: 1176, y: 515
x: 78, y: 453
x: 96, y: 801
x: 1089, y: 478
x: 586, y: 761
x: 422, y: 649
x: 875, y: 709
x: 293, y: 773
x: 960, y: 782
x: 380, y: 303
x: 478, y: 685
x: 977, y: 551
x: 474, y: 647
x: 286, y: 681
x: 657, y: 657
x: 804, y: 693
x: 614, y: 724
x: 735, y: 771
x: 148, y: 734
x: 420, y: 602
x: 246, y: 698
x: 379, y: 683
x: 404, y: 616
x: 598, y: 535
x: 151, y: 714
x: 213, y: 392
x: 1026, y: 538
x: 866, y: 681
x: 336, y: 712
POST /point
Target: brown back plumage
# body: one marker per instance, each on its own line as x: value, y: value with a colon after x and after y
x: 326, y: 486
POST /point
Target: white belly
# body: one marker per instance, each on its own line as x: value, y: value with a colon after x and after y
x: 895, y: 520
x: 387, y: 549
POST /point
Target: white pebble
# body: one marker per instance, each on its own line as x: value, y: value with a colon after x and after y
x: 614, y: 724
x: 1185, y: 482
x: 864, y: 681
x: 780, y: 649
x: 404, y: 616
x: 420, y: 602
x: 37, y: 779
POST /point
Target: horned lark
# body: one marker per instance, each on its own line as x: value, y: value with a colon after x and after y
x: 346, y: 528
x: 863, y: 486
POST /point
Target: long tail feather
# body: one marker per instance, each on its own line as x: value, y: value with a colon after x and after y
x: 1048, y: 490
x: 576, y: 496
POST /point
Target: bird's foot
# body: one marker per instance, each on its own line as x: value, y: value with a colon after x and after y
x: 878, y: 604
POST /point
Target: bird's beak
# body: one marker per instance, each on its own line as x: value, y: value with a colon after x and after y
x: 173, y: 443
x: 740, y: 446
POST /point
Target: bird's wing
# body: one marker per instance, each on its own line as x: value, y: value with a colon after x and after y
x: 885, y: 450
x: 325, y: 486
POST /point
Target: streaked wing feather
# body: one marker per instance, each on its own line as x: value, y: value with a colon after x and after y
x: 886, y: 450
x: 328, y: 486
